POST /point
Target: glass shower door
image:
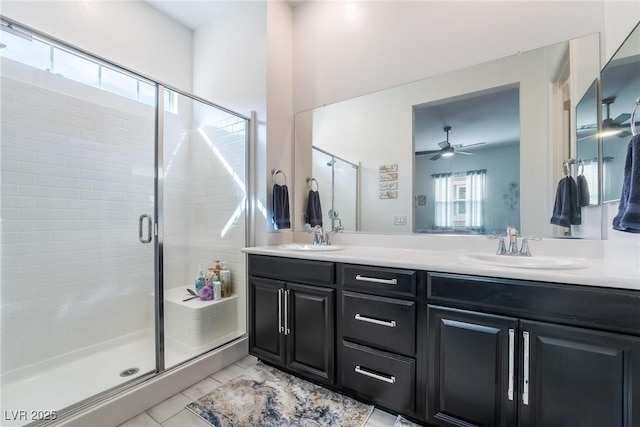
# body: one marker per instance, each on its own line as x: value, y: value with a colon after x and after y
x: 77, y: 173
x: 203, y: 225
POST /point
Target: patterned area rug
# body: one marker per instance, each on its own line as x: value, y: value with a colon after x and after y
x: 266, y: 397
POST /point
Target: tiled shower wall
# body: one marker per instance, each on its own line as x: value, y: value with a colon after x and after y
x: 75, y: 176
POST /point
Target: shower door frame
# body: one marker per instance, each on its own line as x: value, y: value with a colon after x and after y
x: 158, y: 224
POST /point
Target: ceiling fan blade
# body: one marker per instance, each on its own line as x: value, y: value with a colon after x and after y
x: 622, y: 118
x: 464, y: 152
x: 419, y: 153
x: 437, y: 156
x: 469, y: 145
x: 444, y: 144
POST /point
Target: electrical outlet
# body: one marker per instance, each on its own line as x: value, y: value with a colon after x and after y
x: 399, y: 220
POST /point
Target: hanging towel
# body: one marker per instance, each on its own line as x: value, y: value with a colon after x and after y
x: 281, y: 215
x: 565, y: 210
x: 583, y: 191
x: 628, y: 217
x: 314, y: 209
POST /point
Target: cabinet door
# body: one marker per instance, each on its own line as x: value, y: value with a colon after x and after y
x: 578, y: 377
x: 266, y: 317
x: 310, y: 337
x: 472, y: 360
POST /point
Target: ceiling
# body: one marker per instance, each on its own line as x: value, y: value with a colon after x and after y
x: 194, y: 14
x: 471, y: 119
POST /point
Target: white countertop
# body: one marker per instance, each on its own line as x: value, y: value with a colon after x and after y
x: 595, y: 273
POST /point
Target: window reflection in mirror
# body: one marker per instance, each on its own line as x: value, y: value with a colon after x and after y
x: 620, y: 86
x: 467, y: 163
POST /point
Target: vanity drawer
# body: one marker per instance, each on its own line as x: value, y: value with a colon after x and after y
x: 384, y: 378
x: 380, y: 322
x: 295, y: 270
x: 383, y: 281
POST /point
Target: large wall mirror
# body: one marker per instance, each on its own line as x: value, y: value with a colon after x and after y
x: 620, y: 83
x: 471, y: 151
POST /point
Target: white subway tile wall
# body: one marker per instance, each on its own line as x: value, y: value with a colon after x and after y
x: 77, y: 171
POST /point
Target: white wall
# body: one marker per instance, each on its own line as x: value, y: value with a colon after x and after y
x: 346, y: 49
x: 129, y: 33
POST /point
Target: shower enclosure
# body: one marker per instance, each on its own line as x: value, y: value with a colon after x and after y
x: 114, y: 190
x: 337, y: 180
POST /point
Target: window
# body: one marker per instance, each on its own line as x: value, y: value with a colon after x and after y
x: 74, y: 66
x: 459, y: 200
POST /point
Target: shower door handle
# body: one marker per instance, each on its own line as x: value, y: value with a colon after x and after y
x: 140, y: 229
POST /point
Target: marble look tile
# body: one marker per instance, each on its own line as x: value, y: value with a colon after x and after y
x: 165, y: 410
x: 227, y: 373
x: 247, y: 362
x: 380, y: 419
x: 185, y: 418
x: 201, y: 388
x: 142, y: 420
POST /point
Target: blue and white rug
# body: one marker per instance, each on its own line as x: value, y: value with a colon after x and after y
x: 264, y: 396
x: 403, y: 422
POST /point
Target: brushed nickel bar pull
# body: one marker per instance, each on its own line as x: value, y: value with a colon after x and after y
x: 287, y: 331
x: 377, y: 280
x: 525, y: 382
x: 390, y: 379
x: 280, y: 328
x: 387, y: 323
x: 149, y: 225
x: 511, y: 363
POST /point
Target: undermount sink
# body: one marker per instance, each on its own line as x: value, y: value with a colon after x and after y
x: 537, y: 262
x: 300, y: 247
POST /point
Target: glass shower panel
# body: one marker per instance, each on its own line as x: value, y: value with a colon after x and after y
x: 322, y: 168
x: 204, y: 208
x: 345, y: 184
x: 77, y: 172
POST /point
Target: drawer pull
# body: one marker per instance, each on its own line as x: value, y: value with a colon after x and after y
x: 525, y: 375
x: 387, y: 323
x: 390, y: 379
x: 377, y: 280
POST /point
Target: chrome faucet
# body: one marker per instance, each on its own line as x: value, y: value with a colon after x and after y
x: 512, y: 232
x: 320, y: 237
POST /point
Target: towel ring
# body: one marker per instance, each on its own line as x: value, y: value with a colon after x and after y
x: 311, y: 181
x: 634, y: 132
x: 566, y: 168
x: 274, y: 173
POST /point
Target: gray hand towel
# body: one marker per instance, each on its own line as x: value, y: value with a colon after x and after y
x: 281, y: 214
x: 583, y: 191
x: 314, y: 209
x: 628, y: 217
x: 565, y: 210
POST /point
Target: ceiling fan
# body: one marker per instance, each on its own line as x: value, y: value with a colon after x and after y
x: 615, y: 126
x: 446, y: 149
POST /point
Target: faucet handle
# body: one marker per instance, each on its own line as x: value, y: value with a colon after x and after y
x: 327, y: 240
x: 502, y: 249
x: 524, y: 249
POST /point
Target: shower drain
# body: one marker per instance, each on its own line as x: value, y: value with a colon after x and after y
x: 129, y: 372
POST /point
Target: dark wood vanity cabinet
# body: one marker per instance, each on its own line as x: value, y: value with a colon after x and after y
x: 378, y: 329
x: 452, y: 350
x: 292, y: 324
x: 571, y: 366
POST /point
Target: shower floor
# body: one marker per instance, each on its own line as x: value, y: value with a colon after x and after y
x: 61, y: 382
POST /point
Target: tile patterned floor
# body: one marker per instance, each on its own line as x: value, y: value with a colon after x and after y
x: 171, y: 412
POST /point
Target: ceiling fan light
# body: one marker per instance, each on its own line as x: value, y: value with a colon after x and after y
x: 447, y: 154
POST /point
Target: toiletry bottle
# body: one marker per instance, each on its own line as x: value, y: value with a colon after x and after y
x: 217, y: 289
x: 209, y: 276
x: 225, y: 278
x: 200, y: 280
x: 217, y: 269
